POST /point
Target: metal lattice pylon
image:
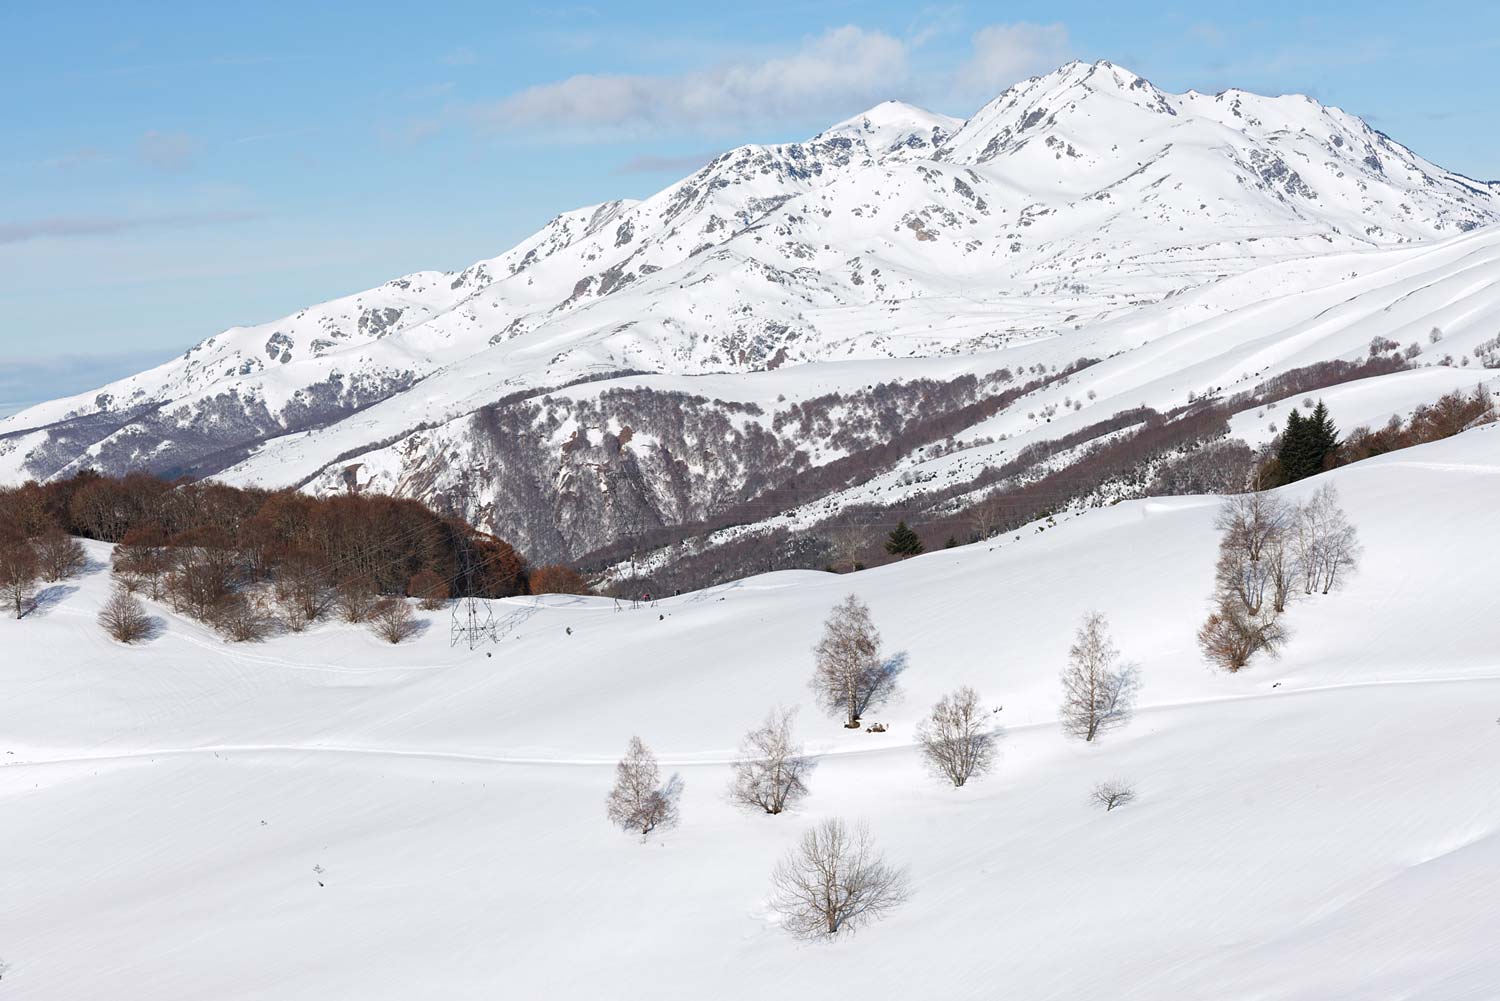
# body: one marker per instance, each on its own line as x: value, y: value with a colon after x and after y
x: 473, y: 619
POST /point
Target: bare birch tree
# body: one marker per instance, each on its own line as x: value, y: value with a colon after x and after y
x: 956, y: 738
x: 1327, y: 544
x: 1098, y: 691
x: 851, y: 677
x: 849, y: 539
x: 19, y: 569
x: 834, y: 880
x: 771, y: 771
x: 639, y: 801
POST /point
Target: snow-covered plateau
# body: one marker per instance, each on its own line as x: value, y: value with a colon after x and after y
x: 329, y: 816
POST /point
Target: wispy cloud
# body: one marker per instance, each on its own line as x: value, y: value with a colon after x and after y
x: 167, y: 150
x: 649, y: 163
x: 831, y: 74
x: 1005, y: 53
x: 66, y: 227
x: 823, y: 73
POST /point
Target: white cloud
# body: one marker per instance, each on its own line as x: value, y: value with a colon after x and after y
x: 61, y: 227
x: 826, y: 74
x: 1004, y: 54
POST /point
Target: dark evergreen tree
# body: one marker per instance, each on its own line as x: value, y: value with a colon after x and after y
x: 1324, y: 437
x: 952, y: 542
x: 903, y: 541
x: 1300, y: 454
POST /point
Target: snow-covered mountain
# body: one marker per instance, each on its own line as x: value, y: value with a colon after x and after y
x: 637, y: 364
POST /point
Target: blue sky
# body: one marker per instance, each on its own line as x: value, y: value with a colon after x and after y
x: 170, y: 170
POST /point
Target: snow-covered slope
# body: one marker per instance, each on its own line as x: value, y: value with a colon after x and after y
x: 325, y: 816
x: 1080, y: 208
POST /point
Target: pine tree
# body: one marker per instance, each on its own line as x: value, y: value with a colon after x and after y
x: 1295, y: 454
x: 903, y: 541
x: 1324, y: 437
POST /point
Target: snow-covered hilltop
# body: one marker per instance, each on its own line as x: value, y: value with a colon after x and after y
x: 635, y: 364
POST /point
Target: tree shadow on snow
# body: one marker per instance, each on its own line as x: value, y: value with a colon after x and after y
x: 49, y: 598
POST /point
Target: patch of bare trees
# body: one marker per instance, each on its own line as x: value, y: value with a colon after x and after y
x: 851, y: 677
x: 640, y: 801
x: 835, y: 880
x: 1112, y: 793
x: 59, y: 555
x: 1098, y: 689
x: 124, y: 617
x: 771, y: 771
x: 957, y: 738
x: 1250, y: 580
x: 1270, y: 551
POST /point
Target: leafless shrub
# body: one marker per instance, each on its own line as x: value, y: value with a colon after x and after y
x: 124, y: 617
x: 771, y: 769
x: 956, y: 738
x: 1098, y: 691
x: 60, y: 556
x: 1231, y: 636
x: 1115, y: 792
x: 850, y: 676
x: 834, y: 881
x: 355, y: 599
x: 639, y: 801
x: 392, y: 620
x: 240, y: 619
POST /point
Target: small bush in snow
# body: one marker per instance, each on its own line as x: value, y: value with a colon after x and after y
x: 1115, y: 792
x: 124, y: 617
x: 392, y: 620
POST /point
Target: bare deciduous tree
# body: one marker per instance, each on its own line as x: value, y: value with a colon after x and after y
x: 850, y: 676
x: 639, y: 801
x: 986, y: 517
x: 1098, y: 691
x: 19, y: 569
x: 1327, y: 545
x: 1115, y: 792
x: 124, y: 617
x: 1254, y: 527
x: 392, y: 620
x: 771, y: 771
x: 1258, y: 561
x: 848, y: 539
x: 834, y: 880
x: 956, y: 738
x: 60, y: 556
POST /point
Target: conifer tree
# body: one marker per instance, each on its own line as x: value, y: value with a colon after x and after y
x: 1324, y: 436
x: 1295, y: 454
x: 903, y: 541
